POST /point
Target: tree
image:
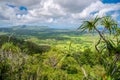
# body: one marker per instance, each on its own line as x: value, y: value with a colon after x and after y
x: 111, y: 57
x: 10, y: 47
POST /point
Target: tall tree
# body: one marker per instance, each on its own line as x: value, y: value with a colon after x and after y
x: 109, y: 59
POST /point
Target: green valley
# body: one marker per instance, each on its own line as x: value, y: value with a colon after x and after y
x: 43, y: 53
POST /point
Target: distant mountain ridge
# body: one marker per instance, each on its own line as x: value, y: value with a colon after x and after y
x: 30, y: 27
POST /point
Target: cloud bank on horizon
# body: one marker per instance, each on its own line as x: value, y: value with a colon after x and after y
x: 55, y: 13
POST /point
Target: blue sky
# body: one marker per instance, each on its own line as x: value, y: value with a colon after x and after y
x: 110, y: 1
x: 55, y: 13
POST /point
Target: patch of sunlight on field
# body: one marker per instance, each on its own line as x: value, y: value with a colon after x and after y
x: 2, y: 33
x: 74, y: 43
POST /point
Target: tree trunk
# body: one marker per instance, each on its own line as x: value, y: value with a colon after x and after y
x: 84, y: 72
x: 96, y: 46
x: 101, y: 35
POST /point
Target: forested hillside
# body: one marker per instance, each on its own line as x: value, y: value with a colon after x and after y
x: 88, y: 53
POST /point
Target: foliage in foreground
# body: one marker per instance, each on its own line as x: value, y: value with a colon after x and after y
x: 55, y: 64
x: 108, y: 49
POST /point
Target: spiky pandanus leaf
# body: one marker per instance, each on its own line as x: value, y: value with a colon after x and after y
x: 110, y: 46
x: 109, y: 24
x: 89, y: 25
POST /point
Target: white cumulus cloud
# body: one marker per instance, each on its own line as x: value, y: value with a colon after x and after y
x: 54, y: 11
